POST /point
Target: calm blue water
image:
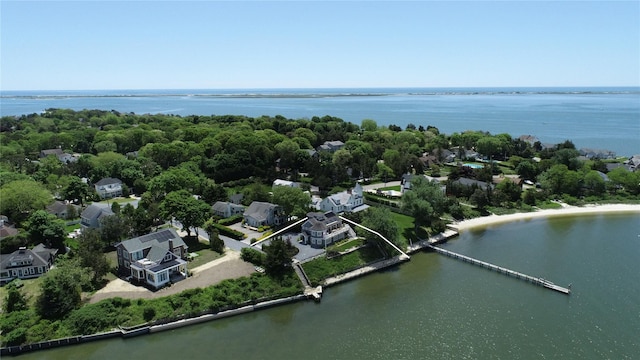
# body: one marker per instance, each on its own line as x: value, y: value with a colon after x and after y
x: 601, y: 118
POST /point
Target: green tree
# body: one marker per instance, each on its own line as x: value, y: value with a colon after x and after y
x: 479, y: 198
x: 287, y: 151
x: 47, y: 229
x: 628, y: 180
x: 20, y: 198
x: 189, y: 211
x: 293, y: 200
x: 278, y: 256
x: 15, y: 299
x: 59, y: 293
x: 509, y: 190
x: 381, y: 220
x: 91, y: 254
x: 113, y: 229
x: 215, y: 242
x: 594, y: 183
x: 426, y: 201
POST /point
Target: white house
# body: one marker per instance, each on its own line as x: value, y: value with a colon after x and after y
x: 108, y: 188
x: 345, y: 201
x: 153, y: 259
x: 280, y: 182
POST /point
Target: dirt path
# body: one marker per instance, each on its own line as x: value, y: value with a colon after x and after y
x: 229, y: 266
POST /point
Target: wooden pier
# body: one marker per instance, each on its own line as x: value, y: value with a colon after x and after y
x: 534, y: 280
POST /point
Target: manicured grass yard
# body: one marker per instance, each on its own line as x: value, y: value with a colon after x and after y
x: 205, y: 254
x: 322, y: 268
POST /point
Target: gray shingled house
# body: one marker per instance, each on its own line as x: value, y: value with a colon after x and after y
x: 263, y: 213
x: 153, y: 259
x: 26, y: 264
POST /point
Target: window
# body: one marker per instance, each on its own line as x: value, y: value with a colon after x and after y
x: 162, y: 276
x: 126, y: 255
x: 168, y: 257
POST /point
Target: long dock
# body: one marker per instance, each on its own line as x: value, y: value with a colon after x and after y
x: 534, y: 280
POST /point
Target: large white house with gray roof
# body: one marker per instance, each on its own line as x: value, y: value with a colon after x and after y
x: 153, y: 259
x: 345, y: 201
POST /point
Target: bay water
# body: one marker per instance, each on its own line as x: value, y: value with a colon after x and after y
x: 598, y: 118
x: 435, y: 307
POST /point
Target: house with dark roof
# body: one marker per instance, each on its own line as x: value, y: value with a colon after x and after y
x: 323, y: 229
x: 26, y: 264
x: 91, y: 216
x: 153, y: 259
x: 6, y: 230
x: 108, y: 188
x: 226, y: 209
x: 344, y: 201
x: 63, y: 210
x: 473, y: 183
x: 263, y: 213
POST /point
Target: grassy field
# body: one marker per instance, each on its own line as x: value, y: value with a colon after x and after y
x: 322, y: 268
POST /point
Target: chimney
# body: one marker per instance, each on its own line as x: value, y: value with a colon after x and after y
x: 171, y: 245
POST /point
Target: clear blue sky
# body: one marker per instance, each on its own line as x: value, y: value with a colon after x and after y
x: 77, y: 45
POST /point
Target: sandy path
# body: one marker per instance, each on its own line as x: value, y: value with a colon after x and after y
x: 229, y: 266
x: 564, y: 211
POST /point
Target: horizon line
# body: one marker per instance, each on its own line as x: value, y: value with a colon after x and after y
x: 337, y: 88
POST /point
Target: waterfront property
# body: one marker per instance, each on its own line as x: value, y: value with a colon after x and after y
x: 153, y: 259
x: 26, y: 263
x: 322, y: 229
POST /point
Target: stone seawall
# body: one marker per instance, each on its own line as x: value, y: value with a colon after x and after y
x: 146, y: 329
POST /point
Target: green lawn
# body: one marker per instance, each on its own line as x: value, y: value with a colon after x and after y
x: 322, y: 268
x: 396, y: 188
x: 348, y: 244
x: 205, y: 254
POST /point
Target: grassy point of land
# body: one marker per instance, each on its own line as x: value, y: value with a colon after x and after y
x: 322, y: 268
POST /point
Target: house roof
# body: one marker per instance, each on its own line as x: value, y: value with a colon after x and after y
x: 159, y: 238
x: 96, y: 210
x: 236, y: 198
x: 318, y: 221
x: 220, y: 206
x: 108, y: 181
x: 471, y: 182
x: 59, y: 206
x: 259, y: 210
x: 6, y: 231
x: 26, y: 254
x: 55, y: 152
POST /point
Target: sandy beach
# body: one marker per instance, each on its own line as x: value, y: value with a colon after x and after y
x: 566, y: 210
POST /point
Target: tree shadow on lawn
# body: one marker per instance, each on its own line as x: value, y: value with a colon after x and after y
x: 195, y: 244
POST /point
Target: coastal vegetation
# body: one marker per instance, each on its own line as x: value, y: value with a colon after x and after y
x: 179, y: 166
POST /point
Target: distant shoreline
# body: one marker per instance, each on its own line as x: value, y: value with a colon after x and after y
x: 567, y: 211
